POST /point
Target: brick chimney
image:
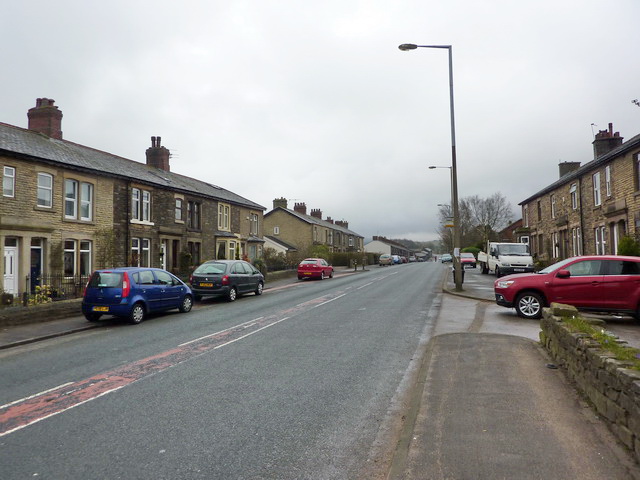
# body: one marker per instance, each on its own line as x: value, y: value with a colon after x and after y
x: 158, y: 156
x: 329, y: 219
x: 300, y: 208
x: 317, y: 213
x: 568, y: 167
x: 46, y: 118
x: 606, y: 141
x: 342, y: 223
x: 279, y: 202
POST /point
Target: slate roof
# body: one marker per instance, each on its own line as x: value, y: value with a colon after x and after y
x: 28, y: 143
x: 315, y: 221
x: 591, y: 165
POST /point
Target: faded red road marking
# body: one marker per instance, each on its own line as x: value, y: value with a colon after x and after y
x: 17, y: 415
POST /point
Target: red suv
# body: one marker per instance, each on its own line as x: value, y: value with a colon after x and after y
x: 597, y: 283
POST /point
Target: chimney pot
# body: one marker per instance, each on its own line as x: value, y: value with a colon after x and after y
x: 158, y: 156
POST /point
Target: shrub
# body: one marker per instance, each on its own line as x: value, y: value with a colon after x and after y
x: 628, y: 246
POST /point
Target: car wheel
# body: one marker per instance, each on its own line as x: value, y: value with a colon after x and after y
x: 322, y: 275
x: 92, y: 317
x: 485, y: 268
x: 233, y: 294
x: 529, y: 305
x: 259, y: 288
x: 300, y: 277
x: 498, y: 275
x: 331, y: 274
x: 186, y: 305
x: 137, y: 314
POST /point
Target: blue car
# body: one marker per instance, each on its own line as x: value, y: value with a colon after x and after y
x: 133, y: 292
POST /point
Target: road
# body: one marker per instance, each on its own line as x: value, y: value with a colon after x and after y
x: 292, y: 384
x: 308, y: 381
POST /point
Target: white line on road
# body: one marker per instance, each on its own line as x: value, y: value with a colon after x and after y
x: 245, y: 325
x: 35, y: 395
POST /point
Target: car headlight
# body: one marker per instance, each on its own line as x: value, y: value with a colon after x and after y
x: 505, y: 283
x: 505, y: 264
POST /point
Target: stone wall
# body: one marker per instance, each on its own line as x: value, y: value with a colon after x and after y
x: 611, y: 388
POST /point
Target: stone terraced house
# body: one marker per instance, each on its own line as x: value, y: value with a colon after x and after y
x: 67, y: 209
x: 590, y: 207
x: 302, y: 231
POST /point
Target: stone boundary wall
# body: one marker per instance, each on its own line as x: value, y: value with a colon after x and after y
x: 612, y: 389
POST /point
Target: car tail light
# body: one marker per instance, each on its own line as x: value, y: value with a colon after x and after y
x: 225, y: 280
x: 126, y: 286
x: 84, y: 290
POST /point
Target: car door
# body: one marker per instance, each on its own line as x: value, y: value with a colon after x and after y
x: 252, y: 276
x: 148, y: 288
x: 170, y: 292
x: 621, y: 285
x: 239, y: 277
x: 583, y: 288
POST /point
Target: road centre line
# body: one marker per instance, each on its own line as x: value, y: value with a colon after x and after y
x: 244, y: 325
x: 365, y: 285
x: 329, y: 301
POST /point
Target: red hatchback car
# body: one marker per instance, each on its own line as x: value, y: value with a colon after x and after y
x: 597, y: 283
x: 314, y: 268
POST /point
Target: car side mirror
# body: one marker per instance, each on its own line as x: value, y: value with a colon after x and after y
x: 563, y: 274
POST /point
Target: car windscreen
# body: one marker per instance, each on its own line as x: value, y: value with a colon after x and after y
x: 308, y: 262
x: 106, y: 280
x: 213, y: 268
x: 513, y: 249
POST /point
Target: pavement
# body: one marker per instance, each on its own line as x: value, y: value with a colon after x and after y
x: 485, y: 407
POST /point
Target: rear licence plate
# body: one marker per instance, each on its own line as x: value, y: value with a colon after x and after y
x: 100, y: 309
x: 518, y: 269
x: 206, y: 284
x: 307, y: 273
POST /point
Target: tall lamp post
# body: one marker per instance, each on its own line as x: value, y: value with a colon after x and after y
x: 454, y: 172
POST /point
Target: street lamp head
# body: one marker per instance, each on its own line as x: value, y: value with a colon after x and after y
x: 407, y: 46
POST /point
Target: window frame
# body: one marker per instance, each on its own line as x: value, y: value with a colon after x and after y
x: 194, y: 215
x: 86, y: 203
x: 224, y: 217
x: 253, y: 224
x: 553, y: 206
x: 597, y: 197
x: 12, y: 176
x: 178, y: 210
x: 67, y: 252
x: 71, y: 201
x: 607, y: 180
x: 573, y: 191
x: 44, y: 188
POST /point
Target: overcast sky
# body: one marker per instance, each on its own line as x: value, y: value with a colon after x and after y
x: 313, y: 101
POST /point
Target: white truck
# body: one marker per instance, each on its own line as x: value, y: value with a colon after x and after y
x: 506, y: 258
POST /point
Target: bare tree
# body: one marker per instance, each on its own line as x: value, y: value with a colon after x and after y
x: 488, y: 215
x: 480, y: 218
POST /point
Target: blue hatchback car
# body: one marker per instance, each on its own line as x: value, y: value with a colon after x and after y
x: 132, y: 292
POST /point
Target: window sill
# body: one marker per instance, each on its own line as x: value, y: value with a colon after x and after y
x: 39, y: 208
x: 141, y: 222
x: 83, y: 222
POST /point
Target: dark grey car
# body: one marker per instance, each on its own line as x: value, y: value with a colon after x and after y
x: 228, y: 278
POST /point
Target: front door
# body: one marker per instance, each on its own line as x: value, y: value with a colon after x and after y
x: 163, y: 254
x: 36, y: 264
x: 10, y: 270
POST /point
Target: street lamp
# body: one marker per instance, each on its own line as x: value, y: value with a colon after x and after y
x: 454, y: 172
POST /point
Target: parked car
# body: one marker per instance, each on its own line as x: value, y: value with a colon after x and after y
x: 467, y: 260
x: 133, y: 292
x: 412, y: 259
x: 314, y: 268
x: 385, y: 259
x: 396, y: 259
x: 596, y: 283
x: 446, y: 257
x: 228, y: 278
